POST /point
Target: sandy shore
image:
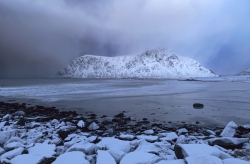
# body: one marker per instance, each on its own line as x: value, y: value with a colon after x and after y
x: 156, y: 100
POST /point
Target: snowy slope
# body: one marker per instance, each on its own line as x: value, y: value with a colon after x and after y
x: 245, y: 72
x: 150, y: 64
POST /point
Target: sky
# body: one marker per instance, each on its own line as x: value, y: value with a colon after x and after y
x: 38, y: 38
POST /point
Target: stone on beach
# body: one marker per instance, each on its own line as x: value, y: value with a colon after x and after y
x: 74, y: 157
x: 229, y: 130
x: 140, y: 157
x: 103, y: 157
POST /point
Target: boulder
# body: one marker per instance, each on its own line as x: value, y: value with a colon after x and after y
x: 228, y: 142
x: 148, y: 138
x: 184, y: 150
x: 74, y: 157
x: 81, y: 124
x: 234, y: 161
x: 116, y: 154
x: 178, y: 161
x: 93, y: 126
x: 6, y: 135
x: 27, y: 159
x: 110, y: 142
x: 140, y: 157
x: 203, y: 159
x: 103, y: 157
x: 198, y: 106
x: 11, y: 154
x: 43, y: 149
x: 83, y: 146
x: 229, y: 130
x: 13, y: 145
x: 147, y: 147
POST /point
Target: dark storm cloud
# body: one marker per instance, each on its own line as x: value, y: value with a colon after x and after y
x: 37, y: 38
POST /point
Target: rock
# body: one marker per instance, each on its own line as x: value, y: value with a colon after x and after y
x: 178, y: 161
x: 110, y: 143
x: 140, y: 157
x: 2, y: 151
x: 19, y: 113
x: 209, y: 132
x: 103, y: 157
x: 7, y: 117
x: 243, y: 154
x: 182, y: 131
x: 228, y: 142
x: 116, y: 154
x: 27, y: 159
x: 234, y: 161
x: 21, y: 121
x: 169, y: 136
x: 148, y: 138
x: 63, y: 134
x: 184, y: 150
x: 128, y: 137
x: 54, y: 122
x: 2, y: 124
x: 44, y: 150
x: 182, y: 139
x: 93, y: 126
x: 11, y: 154
x: 147, y: 147
x: 121, y: 115
x: 149, y: 132
x: 83, y: 146
x: 13, y: 145
x: 198, y: 106
x: 75, y: 157
x: 229, y: 130
x: 6, y: 135
x: 203, y: 159
x: 81, y: 124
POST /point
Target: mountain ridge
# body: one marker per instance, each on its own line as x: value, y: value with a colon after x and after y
x: 245, y: 72
x: 157, y: 63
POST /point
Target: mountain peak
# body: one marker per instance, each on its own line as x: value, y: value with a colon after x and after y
x: 245, y: 72
x: 156, y: 63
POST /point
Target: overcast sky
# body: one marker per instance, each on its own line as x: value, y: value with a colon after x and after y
x: 38, y: 38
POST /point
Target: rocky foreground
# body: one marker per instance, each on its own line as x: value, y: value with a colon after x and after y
x: 41, y: 135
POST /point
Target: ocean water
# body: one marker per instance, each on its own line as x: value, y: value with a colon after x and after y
x: 225, y: 99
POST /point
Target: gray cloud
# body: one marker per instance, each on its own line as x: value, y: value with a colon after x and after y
x: 40, y: 37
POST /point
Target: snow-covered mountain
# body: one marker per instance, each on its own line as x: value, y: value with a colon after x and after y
x: 245, y: 72
x: 156, y: 63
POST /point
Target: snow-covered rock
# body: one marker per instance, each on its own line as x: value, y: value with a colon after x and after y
x: 184, y: 150
x: 234, y: 161
x: 116, y: 154
x: 93, y: 126
x: 127, y: 137
x: 11, y: 154
x: 149, y: 132
x: 148, y: 138
x: 140, y: 157
x: 178, y: 161
x: 156, y: 63
x: 74, y: 157
x: 147, y: 147
x: 168, y: 136
x: 6, y: 135
x: 228, y: 142
x: 2, y: 151
x: 229, y: 130
x: 84, y: 146
x: 81, y: 124
x: 13, y: 145
x: 182, y: 131
x: 103, y: 157
x: 46, y: 150
x: 27, y: 159
x: 203, y: 159
x: 110, y: 143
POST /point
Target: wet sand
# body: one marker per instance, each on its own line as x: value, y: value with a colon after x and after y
x: 157, y: 100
